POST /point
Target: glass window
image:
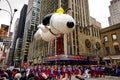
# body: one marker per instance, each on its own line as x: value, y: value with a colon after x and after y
x: 116, y: 47
x: 105, y: 38
x: 107, y: 50
x: 114, y: 36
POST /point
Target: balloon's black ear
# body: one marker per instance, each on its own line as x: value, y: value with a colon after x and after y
x: 46, y: 19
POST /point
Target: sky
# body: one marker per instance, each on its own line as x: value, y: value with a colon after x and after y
x: 5, y: 16
x: 99, y: 9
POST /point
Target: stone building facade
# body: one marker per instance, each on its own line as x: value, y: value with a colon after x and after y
x: 111, y: 43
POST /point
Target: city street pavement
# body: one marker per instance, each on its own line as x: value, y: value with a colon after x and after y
x: 106, y: 78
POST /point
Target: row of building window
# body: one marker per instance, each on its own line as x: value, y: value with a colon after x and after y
x: 116, y: 49
x: 95, y: 32
x: 114, y: 37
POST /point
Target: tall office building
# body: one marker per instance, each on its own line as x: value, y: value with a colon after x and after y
x: 22, y: 20
x: 11, y: 51
x: 40, y: 48
x: 32, y: 21
x: 18, y: 33
x: 114, y: 12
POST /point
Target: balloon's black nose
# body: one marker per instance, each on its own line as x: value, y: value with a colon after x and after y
x: 70, y: 24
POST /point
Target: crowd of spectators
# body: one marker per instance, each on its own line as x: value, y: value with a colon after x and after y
x: 58, y: 72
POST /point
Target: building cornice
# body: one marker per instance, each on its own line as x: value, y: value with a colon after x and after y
x: 110, y: 28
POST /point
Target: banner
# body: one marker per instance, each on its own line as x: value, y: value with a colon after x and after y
x: 4, y: 30
x: 4, y: 55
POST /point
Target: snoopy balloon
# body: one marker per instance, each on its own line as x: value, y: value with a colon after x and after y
x: 53, y: 25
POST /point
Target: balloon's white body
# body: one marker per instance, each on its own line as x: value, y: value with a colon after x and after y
x: 58, y: 24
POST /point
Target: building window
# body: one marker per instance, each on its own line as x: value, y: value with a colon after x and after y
x: 114, y: 36
x: 105, y: 38
x: 98, y: 45
x: 116, y: 48
x: 87, y: 43
x: 92, y: 31
x: 107, y: 50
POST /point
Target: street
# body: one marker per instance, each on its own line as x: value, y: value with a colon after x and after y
x: 106, y: 78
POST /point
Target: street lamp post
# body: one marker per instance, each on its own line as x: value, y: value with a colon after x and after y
x: 11, y: 13
x: 97, y: 56
x: 33, y: 60
x: 42, y: 60
x: 11, y: 18
x: 37, y: 61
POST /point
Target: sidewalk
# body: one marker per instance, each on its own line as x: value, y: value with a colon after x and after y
x: 106, y: 78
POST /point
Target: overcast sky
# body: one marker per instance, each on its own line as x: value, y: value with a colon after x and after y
x: 99, y: 9
x: 15, y: 4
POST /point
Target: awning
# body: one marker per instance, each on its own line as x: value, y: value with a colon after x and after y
x: 66, y: 59
x: 70, y: 58
x: 111, y: 57
x: 62, y: 59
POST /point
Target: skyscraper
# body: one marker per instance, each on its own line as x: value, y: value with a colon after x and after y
x: 32, y: 20
x: 11, y: 54
x: 18, y: 33
x: 114, y: 12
